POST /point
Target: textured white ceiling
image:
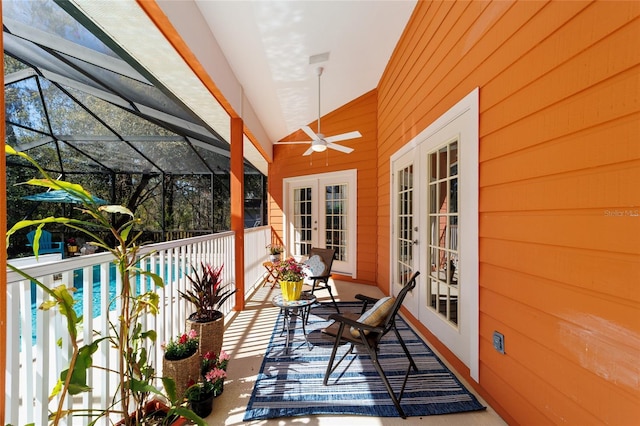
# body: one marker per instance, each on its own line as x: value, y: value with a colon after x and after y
x: 268, y: 45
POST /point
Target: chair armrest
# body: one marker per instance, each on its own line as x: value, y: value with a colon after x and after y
x: 366, y: 300
x: 319, y: 277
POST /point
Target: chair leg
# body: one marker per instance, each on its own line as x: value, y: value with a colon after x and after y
x: 330, y: 366
x: 412, y: 364
x: 374, y: 359
x: 335, y: 305
x: 327, y: 287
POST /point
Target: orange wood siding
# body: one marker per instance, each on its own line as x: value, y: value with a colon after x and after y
x: 559, y: 191
x: 360, y: 115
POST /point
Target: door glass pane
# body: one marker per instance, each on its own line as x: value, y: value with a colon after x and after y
x: 336, y: 219
x: 404, y: 220
x: 443, y: 290
x: 302, y: 220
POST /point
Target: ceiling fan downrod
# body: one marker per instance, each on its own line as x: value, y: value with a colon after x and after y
x: 319, y: 72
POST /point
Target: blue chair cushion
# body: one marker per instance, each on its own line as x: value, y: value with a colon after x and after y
x: 315, y: 266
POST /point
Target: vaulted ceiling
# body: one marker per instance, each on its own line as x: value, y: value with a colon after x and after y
x: 274, y: 48
x: 262, y: 56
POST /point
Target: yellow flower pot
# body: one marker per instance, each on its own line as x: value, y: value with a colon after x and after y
x: 291, y: 290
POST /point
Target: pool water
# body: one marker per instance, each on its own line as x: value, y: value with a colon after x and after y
x: 78, y: 295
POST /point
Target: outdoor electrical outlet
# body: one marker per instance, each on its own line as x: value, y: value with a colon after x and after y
x: 498, y: 342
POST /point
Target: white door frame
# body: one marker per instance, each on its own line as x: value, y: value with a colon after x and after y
x: 318, y: 181
x: 459, y: 121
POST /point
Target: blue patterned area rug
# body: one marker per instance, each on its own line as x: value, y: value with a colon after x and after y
x: 290, y: 379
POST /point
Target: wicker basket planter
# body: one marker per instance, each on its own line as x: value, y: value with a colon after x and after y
x: 211, y: 334
x: 183, y: 371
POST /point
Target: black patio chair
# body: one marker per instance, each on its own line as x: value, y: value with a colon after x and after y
x: 368, y: 332
x: 320, y: 279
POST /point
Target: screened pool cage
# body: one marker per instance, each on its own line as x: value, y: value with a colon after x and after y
x: 92, y: 117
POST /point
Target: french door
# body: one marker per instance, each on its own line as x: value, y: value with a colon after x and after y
x: 320, y: 211
x: 434, y: 219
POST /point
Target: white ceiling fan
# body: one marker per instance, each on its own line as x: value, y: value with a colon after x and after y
x: 319, y: 142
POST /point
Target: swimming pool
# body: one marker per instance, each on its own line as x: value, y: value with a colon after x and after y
x: 78, y: 295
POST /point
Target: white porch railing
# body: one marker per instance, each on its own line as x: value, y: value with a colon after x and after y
x: 34, y: 360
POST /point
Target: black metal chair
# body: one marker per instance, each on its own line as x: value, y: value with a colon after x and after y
x: 321, y: 280
x: 369, y: 334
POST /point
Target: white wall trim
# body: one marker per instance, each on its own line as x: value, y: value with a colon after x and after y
x: 469, y: 157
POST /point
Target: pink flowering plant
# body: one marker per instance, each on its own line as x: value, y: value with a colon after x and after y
x: 223, y: 360
x: 213, y: 372
x: 211, y: 361
x: 214, y: 379
x: 290, y: 270
x: 183, y: 347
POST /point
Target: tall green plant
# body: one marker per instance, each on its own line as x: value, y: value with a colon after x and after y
x: 134, y: 370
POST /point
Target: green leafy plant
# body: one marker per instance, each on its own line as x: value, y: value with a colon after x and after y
x: 275, y: 249
x: 126, y: 335
x: 183, y: 347
x: 207, y: 293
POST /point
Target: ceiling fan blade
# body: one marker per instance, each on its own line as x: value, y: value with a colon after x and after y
x: 343, y: 137
x: 309, y: 132
x: 308, y: 152
x: 340, y: 148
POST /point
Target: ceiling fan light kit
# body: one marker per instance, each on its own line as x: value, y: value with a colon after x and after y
x: 318, y: 146
x: 318, y: 141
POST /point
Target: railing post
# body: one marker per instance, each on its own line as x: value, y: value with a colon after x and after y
x: 237, y: 206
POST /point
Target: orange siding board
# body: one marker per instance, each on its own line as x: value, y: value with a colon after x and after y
x: 537, y: 404
x: 612, y: 275
x: 557, y: 392
x: 589, y: 229
x: 590, y: 108
x: 566, y: 79
x: 527, y: 53
x: 550, y: 158
x: 560, y: 327
x: 559, y: 125
x: 607, y: 189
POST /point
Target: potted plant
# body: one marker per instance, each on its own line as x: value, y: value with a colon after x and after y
x: 207, y: 294
x: 275, y: 251
x: 72, y: 245
x: 200, y: 396
x: 181, y: 361
x: 135, y: 375
x: 291, y: 275
x: 211, y: 362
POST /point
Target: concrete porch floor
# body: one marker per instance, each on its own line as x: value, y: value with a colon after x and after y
x: 246, y: 338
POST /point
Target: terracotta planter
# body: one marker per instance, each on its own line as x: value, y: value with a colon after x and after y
x: 183, y: 372
x: 291, y: 290
x: 210, y: 335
